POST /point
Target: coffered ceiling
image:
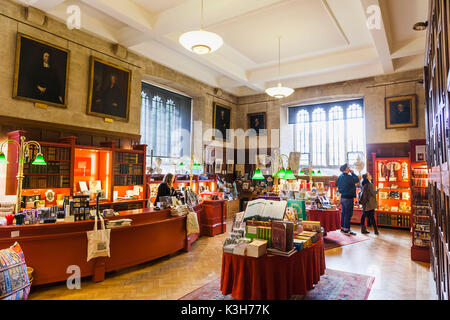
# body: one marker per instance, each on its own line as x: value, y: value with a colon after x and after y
x: 323, y: 41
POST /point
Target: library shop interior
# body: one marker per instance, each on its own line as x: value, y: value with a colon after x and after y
x: 225, y: 150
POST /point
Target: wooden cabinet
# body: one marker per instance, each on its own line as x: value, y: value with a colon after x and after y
x: 437, y: 94
x: 120, y: 171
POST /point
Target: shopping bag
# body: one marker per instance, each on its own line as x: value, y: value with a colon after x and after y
x: 192, y: 225
x: 98, y: 241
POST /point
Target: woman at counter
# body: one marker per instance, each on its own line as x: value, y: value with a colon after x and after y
x: 165, y: 189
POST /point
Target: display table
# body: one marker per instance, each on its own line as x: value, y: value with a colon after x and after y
x: 330, y: 220
x: 272, y: 277
x: 51, y: 248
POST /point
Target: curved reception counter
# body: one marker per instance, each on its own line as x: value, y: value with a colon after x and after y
x: 54, y: 251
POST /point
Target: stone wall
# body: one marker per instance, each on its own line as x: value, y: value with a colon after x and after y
x: 82, y: 46
x: 374, y: 91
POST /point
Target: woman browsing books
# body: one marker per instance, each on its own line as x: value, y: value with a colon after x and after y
x: 368, y: 200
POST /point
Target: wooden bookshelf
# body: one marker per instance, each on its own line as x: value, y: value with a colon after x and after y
x: 69, y: 163
x: 437, y: 122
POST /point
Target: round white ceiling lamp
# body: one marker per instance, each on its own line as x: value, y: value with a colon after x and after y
x: 201, y: 41
x: 279, y: 91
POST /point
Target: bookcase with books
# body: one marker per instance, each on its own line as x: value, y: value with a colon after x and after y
x: 392, y: 179
x: 118, y: 173
x: 420, y: 248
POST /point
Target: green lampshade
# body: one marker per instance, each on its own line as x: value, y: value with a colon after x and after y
x: 313, y: 173
x: 3, y: 159
x: 281, y: 174
x: 258, y: 175
x: 181, y: 165
x: 289, y: 175
x: 302, y: 173
x: 319, y: 173
x: 197, y: 166
x: 39, y: 161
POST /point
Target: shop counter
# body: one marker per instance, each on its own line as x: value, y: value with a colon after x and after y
x: 272, y: 277
x: 213, y: 220
x: 52, y: 248
x: 330, y: 219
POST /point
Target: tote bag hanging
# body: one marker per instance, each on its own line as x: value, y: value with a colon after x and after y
x: 98, y: 241
x: 192, y: 225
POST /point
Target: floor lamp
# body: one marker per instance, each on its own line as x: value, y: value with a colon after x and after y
x: 23, y: 149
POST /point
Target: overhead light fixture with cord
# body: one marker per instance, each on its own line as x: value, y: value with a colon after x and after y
x: 201, y: 41
x: 279, y: 91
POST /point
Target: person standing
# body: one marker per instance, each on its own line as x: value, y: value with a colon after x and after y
x: 369, y: 203
x: 346, y: 184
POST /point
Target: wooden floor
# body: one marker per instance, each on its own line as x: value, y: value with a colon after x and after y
x: 386, y: 256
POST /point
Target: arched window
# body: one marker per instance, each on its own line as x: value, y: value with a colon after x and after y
x: 303, y: 131
x: 336, y: 132
x: 355, y: 136
x: 165, y: 118
x: 319, y: 137
x: 332, y: 133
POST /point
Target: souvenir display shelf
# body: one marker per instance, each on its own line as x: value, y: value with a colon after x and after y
x: 181, y: 180
x: 392, y: 178
x: 68, y: 164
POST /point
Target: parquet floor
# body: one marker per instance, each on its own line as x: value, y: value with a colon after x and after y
x: 386, y: 256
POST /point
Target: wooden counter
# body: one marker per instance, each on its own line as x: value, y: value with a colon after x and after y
x: 51, y: 248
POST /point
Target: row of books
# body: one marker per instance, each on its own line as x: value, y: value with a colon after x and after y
x: 52, y: 167
x: 420, y: 173
x: 125, y: 157
x: 46, y: 182
x: 393, y: 220
x: 128, y: 180
x: 128, y: 169
x: 51, y: 153
x: 420, y: 182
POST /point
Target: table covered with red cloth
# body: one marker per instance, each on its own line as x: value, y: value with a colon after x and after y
x: 272, y: 277
x: 330, y: 220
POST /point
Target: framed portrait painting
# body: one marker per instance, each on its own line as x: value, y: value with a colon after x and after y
x: 401, y: 112
x: 257, y: 122
x: 221, y: 121
x: 41, y: 72
x: 109, y: 90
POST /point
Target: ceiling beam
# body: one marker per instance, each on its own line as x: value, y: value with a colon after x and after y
x: 409, y: 48
x: 43, y: 5
x: 318, y: 64
x: 379, y: 34
x: 127, y: 12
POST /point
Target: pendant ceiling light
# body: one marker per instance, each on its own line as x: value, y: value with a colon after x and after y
x: 201, y: 41
x: 279, y: 91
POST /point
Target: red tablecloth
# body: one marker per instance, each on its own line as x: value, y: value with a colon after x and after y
x: 272, y: 277
x: 330, y: 220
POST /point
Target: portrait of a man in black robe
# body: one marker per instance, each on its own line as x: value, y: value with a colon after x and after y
x: 401, y: 112
x: 222, y: 120
x: 109, y: 96
x: 257, y: 122
x: 41, y: 72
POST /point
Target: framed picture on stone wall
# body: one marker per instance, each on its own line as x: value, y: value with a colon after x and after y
x: 41, y: 72
x: 257, y: 122
x: 109, y: 90
x: 401, y: 112
x: 221, y: 121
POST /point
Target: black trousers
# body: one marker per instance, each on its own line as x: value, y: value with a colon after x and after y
x: 370, y: 215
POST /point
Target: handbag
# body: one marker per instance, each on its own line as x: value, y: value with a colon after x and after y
x: 192, y: 225
x: 179, y: 211
x: 98, y: 241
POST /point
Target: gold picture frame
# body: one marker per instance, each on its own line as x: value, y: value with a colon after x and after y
x: 401, y: 112
x: 111, y: 96
x: 30, y: 54
x: 221, y: 125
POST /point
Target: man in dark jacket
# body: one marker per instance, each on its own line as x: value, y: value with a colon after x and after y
x: 346, y: 184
